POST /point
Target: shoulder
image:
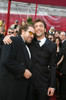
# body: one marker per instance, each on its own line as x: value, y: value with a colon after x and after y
x: 15, y: 39
x: 51, y: 45
x: 13, y: 45
x: 64, y: 42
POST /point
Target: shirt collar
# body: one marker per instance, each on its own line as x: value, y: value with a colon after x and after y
x: 63, y: 40
x: 42, y: 41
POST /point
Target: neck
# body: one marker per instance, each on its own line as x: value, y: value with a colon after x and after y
x: 23, y: 37
x: 57, y: 46
x: 39, y: 38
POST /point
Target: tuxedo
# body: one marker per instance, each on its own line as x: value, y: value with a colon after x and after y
x: 44, y: 67
x: 14, y: 61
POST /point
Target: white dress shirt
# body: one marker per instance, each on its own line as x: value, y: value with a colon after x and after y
x: 42, y: 41
x: 27, y: 49
x: 63, y: 40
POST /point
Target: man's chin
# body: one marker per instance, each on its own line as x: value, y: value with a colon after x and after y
x: 29, y: 41
x: 38, y: 35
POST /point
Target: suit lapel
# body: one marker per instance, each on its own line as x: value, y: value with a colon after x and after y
x: 46, y: 42
x: 22, y: 44
x: 37, y: 44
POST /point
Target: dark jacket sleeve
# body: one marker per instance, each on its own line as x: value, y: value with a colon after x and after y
x: 53, y: 67
x: 8, y: 59
x: 1, y: 39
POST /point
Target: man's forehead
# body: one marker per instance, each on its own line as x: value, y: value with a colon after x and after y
x: 38, y: 23
x: 10, y: 30
x: 62, y: 33
x: 30, y: 28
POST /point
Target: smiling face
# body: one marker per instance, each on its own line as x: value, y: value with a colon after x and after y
x: 39, y: 30
x: 28, y: 35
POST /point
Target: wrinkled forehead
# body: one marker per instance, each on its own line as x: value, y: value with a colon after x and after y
x: 30, y: 28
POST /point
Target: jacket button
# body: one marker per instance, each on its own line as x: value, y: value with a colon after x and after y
x: 22, y: 63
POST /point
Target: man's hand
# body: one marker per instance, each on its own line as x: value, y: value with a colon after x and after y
x: 27, y: 74
x: 51, y: 91
x: 7, y: 39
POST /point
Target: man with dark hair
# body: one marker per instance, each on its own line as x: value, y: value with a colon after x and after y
x: 51, y: 37
x: 44, y: 63
x: 10, y: 31
x: 15, y: 69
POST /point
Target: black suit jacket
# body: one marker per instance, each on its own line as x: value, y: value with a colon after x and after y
x: 15, y: 59
x: 1, y: 42
x: 64, y: 60
x: 44, y: 65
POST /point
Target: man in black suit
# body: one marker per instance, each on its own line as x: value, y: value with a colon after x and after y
x: 63, y: 89
x: 44, y: 63
x: 15, y: 69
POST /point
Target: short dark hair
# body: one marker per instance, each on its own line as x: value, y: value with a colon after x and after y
x: 25, y: 28
x: 40, y: 20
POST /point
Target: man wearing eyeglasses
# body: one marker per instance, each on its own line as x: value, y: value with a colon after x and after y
x: 10, y: 31
x: 15, y: 69
x: 43, y: 55
x: 51, y: 37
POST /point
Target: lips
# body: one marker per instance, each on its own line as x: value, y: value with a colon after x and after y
x: 38, y: 31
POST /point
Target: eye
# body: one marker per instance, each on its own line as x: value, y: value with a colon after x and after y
x: 31, y: 33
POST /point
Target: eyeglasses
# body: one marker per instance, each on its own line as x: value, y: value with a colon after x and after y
x: 31, y: 33
x: 10, y: 32
x: 16, y: 31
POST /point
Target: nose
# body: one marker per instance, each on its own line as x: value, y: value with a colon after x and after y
x: 38, y: 27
